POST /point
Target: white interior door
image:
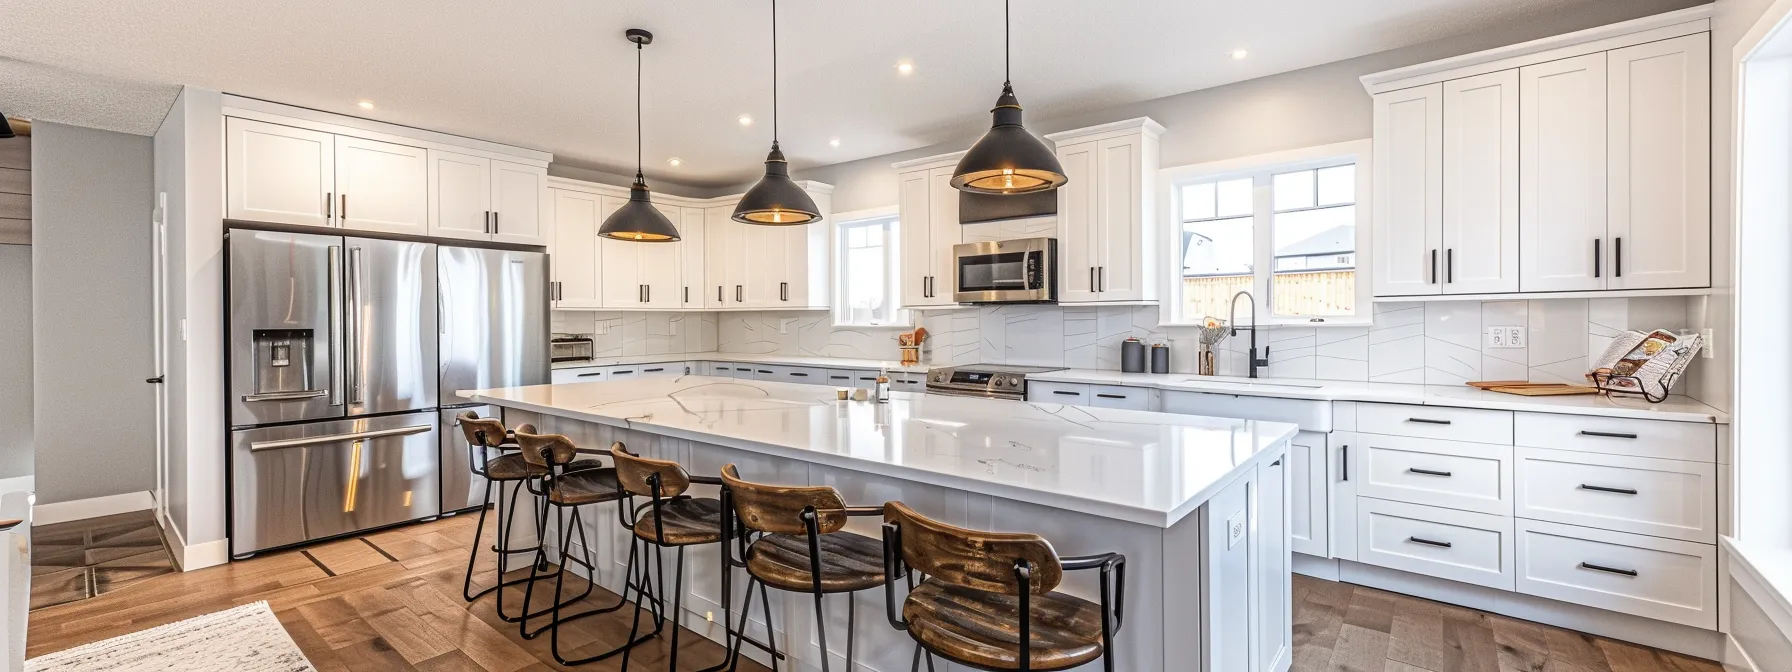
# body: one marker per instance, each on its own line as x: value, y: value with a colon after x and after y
x: 279, y: 174
x: 1480, y: 213
x: 459, y: 199
x: 382, y: 186
x: 1408, y: 184
x: 159, y: 328
x: 576, y: 216
x: 1561, y: 175
x: 1659, y: 144
x: 516, y: 203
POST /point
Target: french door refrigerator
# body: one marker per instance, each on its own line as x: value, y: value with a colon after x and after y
x: 332, y: 378
x: 494, y: 333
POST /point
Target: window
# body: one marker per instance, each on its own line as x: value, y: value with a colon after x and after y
x: 866, y: 278
x: 1285, y: 227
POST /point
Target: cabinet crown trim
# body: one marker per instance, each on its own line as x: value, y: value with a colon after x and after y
x: 1671, y: 24
x: 935, y: 161
x: 1145, y: 125
x: 379, y: 131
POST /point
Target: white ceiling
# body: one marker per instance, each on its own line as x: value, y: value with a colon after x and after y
x: 557, y: 75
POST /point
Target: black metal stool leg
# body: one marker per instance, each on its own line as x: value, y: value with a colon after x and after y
x: 643, y: 592
x: 821, y: 628
x: 677, y: 609
x: 746, y: 610
x: 771, y: 637
x: 466, y: 590
x: 852, y: 616
x: 535, y: 572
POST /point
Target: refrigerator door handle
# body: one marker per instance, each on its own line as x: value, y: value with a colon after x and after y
x: 336, y: 313
x: 259, y: 446
x: 286, y: 396
x: 351, y: 362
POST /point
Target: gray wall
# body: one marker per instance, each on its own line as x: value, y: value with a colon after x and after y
x: 15, y: 360
x: 1303, y: 108
x: 92, y: 338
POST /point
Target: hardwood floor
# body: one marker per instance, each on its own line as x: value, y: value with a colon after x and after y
x: 79, y: 559
x: 391, y: 601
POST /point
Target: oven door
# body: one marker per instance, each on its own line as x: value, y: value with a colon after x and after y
x: 1009, y: 271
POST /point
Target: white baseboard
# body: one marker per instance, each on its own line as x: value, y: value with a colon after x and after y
x: 1316, y: 567
x: 197, y: 556
x: 1735, y: 659
x: 82, y: 509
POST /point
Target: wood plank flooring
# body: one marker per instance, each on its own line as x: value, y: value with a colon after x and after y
x: 391, y: 601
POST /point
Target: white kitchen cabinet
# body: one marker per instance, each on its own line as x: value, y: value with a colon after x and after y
x: 1664, y: 579
x: 639, y: 275
x: 576, y: 216
x: 1309, y: 500
x: 1480, y: 164
x: 381, y: 186
x: 1408, y: 188
x: 1107, y: 219
x: 693, y: 266
x: 769, y: 247
x: 730, y: 262
x: 592, y: 374
x: 928, y: 207
x: 1659, y: 170
x: 460, y: 200
x: 1561, y: 175
x: 518, y: 191
x: 279, y: 174
x: 1274, y: 634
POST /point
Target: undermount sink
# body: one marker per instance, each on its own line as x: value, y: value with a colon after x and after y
x: 1238, y: 380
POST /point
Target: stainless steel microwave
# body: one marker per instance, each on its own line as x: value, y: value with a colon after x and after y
x: 1006, y: 271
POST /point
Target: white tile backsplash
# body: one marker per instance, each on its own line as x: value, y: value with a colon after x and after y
x: 1436, y: 342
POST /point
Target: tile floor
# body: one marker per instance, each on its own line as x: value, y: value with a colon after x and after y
x: 84, y: 558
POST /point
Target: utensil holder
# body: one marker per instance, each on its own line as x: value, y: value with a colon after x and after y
x: 1204, y: 360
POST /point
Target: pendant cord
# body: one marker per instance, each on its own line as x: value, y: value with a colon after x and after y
x: 1007, y: 49
x: 774, y: 73
x: 638, y: 162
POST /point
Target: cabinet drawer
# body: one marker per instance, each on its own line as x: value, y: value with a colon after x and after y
x: 1693, y: 441
x: 1118, y: 396
x: 584, y: 375
x: 1436, y: 422
x: 1450, y: 474
x: 1456, y: 545
x: 836, y: 378
x: 1076, y: 394
x: 662, y: 370
x: 802, y: 375
x: 864, y: 379
x: 1663, y: 579
x: 1663, y: 498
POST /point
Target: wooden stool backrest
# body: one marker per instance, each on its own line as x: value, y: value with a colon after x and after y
x: 778, y: 509
x: 973, y: 559
x: 546, y: 450
x: 632, y: 472
x: 474, y: 427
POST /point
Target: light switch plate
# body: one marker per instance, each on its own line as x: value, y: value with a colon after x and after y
x: 1500, y: 338
x: 1234, y: 529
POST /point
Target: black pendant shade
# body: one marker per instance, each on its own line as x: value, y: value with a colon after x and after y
x: 637, y: 220
x: 1008, y: 159
x: 5, y: 127
x: 776, y: 200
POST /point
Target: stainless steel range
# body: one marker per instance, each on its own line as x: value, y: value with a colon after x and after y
x: 994, y: 381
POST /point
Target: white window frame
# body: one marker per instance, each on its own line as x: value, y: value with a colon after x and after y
x: 1171, y: 181
x: 905, y: 318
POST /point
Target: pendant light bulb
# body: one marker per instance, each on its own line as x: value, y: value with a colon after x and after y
x: 637, y: 220
x: 776, y: 200
x: 1008, y: 159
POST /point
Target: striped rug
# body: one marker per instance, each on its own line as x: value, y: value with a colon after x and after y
x: 248, y: 638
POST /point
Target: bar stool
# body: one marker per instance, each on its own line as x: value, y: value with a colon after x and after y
x: 669, y: 519
x: 801, y: 548
x: 986, y: 600
x: 484, y: 437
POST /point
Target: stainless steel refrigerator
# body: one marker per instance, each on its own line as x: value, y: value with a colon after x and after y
x: 333, y: 389
x: 494, y: 333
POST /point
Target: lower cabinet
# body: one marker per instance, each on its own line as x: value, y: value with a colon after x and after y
x: 1663, y: 579
x: 1461, y: 546
x: 1308, y: 524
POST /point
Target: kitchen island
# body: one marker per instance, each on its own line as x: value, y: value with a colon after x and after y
x: 1197, y: 504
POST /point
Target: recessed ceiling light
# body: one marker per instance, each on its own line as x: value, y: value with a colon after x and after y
x: 1239, y: 54
x: 675, y: 162
x: 366, y: 104
x: 905, y: 67
x: 745, y: 120
x: 834, y: 142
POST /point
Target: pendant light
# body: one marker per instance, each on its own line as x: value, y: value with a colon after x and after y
x: 776, y: 200
x: 5, y: 127
x: 637, y: 220
x: 1008, y: 160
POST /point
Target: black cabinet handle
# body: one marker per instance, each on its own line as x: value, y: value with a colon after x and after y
x: 1428, y: 542
x: 718, y: 293
x: 1110, y: 396
x: 1450, y: 265
x: 839, y: 377
x: 799, y: 374
x: 154, y: 381
x: 687, y: 294
x: 1346, y: 462
x: 1092, y: 280
x: 1601, y: 488
x: 1074, y: 394
x: 783, y: 291
x: 494, y: 222
x: 1428, y: 421
x: 654, y: 370
x: 588, y: 375
x: 1428, y: 472
x: 737, y: 295
x: 1618, y: 257
x: 623, y: 373
x: 1276, y: 463
x: 1434, y: 267
x: 764, y: 371
x: 1596, y: 242
x: 870, y: 378
x: 1608, y: 435
x: 1101, y: 278
x: 1608, y: 570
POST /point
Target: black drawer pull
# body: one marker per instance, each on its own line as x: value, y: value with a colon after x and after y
x: 870, y: 378
x: 1276, y: 463
x: 588, y: 375
x: 1109, y: 396
x: 654, y: 370
x: 1074, y: 394
x: 1346, y: 461
x: 1608, y: 435
x: 1428, y: 421
x: 1601, y: 488
x: 1428, y: 542
x: 1428, y: 472
x: 839, y: 377
x: 623, y: 372
x: 764, y: 371
x: 1608, y: 570
x: 799, y: 374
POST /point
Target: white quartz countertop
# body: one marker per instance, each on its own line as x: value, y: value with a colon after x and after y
x: 1142, y: 467
x: 786, y: 360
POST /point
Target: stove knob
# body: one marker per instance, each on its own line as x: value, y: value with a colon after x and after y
x: 1013, y: 381
x: 998, y: 382
x: 938, y: 377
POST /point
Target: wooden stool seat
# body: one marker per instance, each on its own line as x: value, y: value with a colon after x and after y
x: 688, y: 521
x: 590, y: 485
x: 512, y: 467
x: 849, y: 562
x: 983, y: 629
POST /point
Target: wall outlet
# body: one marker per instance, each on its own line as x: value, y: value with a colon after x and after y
x: 1709, y: 351
x: 1234, y: 529
x: 784, y: 325
x: 1505, y: 337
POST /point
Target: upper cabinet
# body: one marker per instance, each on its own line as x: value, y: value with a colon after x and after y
x: 574, y: 258
x: 928, y: 211
x: 304, y: 171
x: 1572, y: 164
x: 1107, y: 225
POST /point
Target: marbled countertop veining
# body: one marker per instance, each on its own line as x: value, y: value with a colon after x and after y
x: 1142, y: 467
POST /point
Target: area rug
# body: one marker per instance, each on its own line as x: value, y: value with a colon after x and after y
x: 248, y: 638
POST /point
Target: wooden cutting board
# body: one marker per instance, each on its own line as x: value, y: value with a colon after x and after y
x: 1544, y: 390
